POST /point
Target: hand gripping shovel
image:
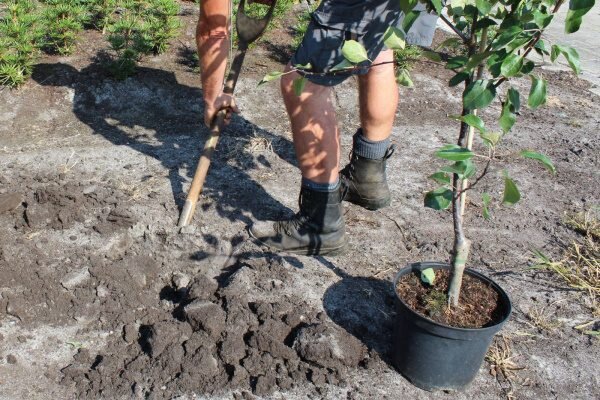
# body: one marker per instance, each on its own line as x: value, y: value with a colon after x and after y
x: 248, y: 30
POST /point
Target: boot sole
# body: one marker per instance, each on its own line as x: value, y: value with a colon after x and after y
x: 369, y: 204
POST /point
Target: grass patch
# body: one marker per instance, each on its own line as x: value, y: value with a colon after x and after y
x: 502, y: 365
x: 542, y: 319
x: 579, y: 267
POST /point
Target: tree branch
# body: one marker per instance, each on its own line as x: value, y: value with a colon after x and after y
x: 455, y: 29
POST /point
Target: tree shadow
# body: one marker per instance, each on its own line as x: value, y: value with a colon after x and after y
x: 160, y: 118
x: 365, y: 308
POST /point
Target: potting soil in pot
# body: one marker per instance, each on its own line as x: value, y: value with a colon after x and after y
x: 478, y: 303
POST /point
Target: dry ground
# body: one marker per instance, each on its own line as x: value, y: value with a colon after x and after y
x: 93, y: 271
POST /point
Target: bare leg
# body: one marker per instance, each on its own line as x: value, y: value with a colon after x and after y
x: 378, y: 96
x: 314, y: 128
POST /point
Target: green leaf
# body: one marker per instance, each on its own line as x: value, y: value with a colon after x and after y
x: 409, y: 20
x: 491, y: 138
x: 511, y: 192
x: 271, y: 76
x: 456, y: 62
x: 454, y: 152
x: 458, y: 78
x: 541, y: 19
x: 403, y: 78
x: 476, y: 59
x: 298, y: 85
x: 569, y: 53
x: 303, y: 67
x: 511, y: 65
x: 438, y: 199
x: 528, y: 66
x: 479, y: 94
x: 354, y: 52
x: 464, y: 169
x: 546, y: 162
x: 537, y: 93
x: 507, y: 117
x: 408, y: 5
x: 514, y: 98
x: 393, y: 38
x: 431, y: 55
x: 438, y: 6
x: 483, y: 6
x: 441, y: 178
x: 577, y: 9
x: 474, y: 121
x: 487, y: 200
x: 428, y: 276
x: 506, y: 36
x: 344, y: 64
x: 486, y: 205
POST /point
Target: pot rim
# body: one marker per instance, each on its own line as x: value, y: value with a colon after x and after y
x: 418, y: 266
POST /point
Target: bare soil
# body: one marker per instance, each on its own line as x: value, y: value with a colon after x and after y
x: 102, y: 296
x: 478, y: 307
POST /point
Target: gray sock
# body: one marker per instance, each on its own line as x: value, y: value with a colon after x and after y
x: 320, y: 187
x: 369, y: 149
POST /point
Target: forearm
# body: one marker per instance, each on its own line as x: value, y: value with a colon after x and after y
x: 212, y: 40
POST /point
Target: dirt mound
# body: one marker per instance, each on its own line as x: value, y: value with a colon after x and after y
x: 215, y: 337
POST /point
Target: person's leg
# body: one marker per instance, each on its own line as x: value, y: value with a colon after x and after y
x: 365, y: 177
x: 318, y: 227
x: 314, y: 128
x: 378, y: 98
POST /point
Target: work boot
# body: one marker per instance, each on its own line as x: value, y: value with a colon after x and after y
x: 317, y: 229
x: 364, y: 179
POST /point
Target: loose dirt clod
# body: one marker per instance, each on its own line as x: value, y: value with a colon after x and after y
x: 10, y: 201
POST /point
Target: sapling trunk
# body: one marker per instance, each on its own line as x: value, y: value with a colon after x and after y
x: 462, y: 245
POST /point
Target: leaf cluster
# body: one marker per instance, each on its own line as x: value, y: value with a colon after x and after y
x: 494, y: 40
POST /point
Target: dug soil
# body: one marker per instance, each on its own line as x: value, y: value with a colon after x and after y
x: 478, y: 302
x: 102, y: 296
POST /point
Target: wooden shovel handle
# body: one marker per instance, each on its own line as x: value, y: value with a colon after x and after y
x: 215, y: 130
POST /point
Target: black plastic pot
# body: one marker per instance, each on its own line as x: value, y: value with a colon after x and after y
x: 434, y: 356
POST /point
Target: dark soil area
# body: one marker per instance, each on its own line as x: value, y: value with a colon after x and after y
x: 478, y: 308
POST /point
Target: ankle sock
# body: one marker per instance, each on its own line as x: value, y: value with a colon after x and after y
x: 320, y: 187
x: 369, y: 149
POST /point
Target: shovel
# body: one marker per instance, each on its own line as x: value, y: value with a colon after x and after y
x: 248, y: 30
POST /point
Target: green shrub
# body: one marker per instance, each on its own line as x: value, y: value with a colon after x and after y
x: 142, y: 27
x: 64, y: 20
x: 20, y: 38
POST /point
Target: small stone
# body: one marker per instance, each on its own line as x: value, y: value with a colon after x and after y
x: 130, y: 333
x: 180, y: 280
x: 11, y: 359
x: 102, y: 291
x: 75, y: 278
x: 10, y: 201
x: 188, y: 229
x: 21, y: 339
x: 90, y: 189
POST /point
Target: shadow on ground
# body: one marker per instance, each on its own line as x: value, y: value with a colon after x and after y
x: 364, y: 307
x: 157, y: 116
